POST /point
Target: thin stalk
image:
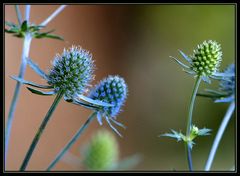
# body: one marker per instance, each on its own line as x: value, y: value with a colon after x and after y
x: 219, y: 135
x: 72, y: 141
x: 19, y: 16
x: 25, y: 54
x: 189, y: 122
x: 53, y: 15
x: 40, y: 131
x: 27, y: 12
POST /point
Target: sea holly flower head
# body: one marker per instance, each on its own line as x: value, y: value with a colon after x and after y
x: 71, y: 74
x: 226, y: 90
x: 206, y: 58
x: 112, y: 90
x: 194, y: 132
x: 204, y: 62
x: 72, y: 71
x: 102, y: 152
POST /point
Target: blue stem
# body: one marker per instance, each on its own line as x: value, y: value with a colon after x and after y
x: 19, y: 16
x: 25, y: 54
x: 72, y: 141
x: 219, y: 135
x: 27, y: 12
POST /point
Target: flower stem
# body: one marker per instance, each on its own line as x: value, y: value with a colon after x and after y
x: 19, y: 16
x: 53, y: 15
x: 25, y: 54
x: 189, y: 122
x: 72, y: 141
x: 40, y: 131
x: 219, y: 135
x: 27, y: 12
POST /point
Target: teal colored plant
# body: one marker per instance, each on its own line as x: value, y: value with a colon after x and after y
x: 112, y: 91
x: 225, y: 94
x: 71, y: 73
x: 69, y: 78
x: 28, y: 31
x: 204, y: 64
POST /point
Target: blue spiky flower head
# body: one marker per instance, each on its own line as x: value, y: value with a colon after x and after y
x: 113, y: 90
x: 72, y: 71
x: 206, y: 58
x: 228, y: 85
x: 101, y: 153
x: 226, y: 90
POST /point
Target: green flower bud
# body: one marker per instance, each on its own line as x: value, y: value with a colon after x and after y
x: 206, y: 58
x: 102, y: 152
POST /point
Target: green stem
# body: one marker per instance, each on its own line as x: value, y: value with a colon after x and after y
x: 72, y: 141
x: 219, y: 135
x: 40, y: 131
x: 189, y: 122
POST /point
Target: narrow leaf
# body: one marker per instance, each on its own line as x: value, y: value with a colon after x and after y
x: 185, y: 56
x: 10, y: 24
x: 94, y: 102
x: 39, y: 92
x: 77, y: 102
x: 24, y: 26
x: 180, y: 63
x: 225, y: 99
x: 204, y: 132
x: 35, y: 67
x: 52, y: 36
x: 208, y: 95
x: 11, y: 31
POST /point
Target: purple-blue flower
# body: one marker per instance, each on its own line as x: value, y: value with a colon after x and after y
x: 112, y: 90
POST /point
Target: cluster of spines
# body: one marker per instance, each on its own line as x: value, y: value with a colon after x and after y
x: 72, y: 71
x: 113, y: 90
x: 207, y: 58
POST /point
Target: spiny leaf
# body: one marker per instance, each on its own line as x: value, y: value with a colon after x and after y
x: 39, y: 92
x: 77, y: 102
x: 10, y: 24
x: 94, y: 102
x: 204, y: 132
x: 180, y: 63
x: 185, y: 56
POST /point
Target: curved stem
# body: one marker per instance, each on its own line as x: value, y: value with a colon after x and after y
x: 189, y: 122
x: 40, y: 131
x: 53, y: 15
x: 25, y: 54
x: 72, y: 141
x: 219, y: 135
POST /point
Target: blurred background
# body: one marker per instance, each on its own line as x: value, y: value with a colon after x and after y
x: 135, y: 42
